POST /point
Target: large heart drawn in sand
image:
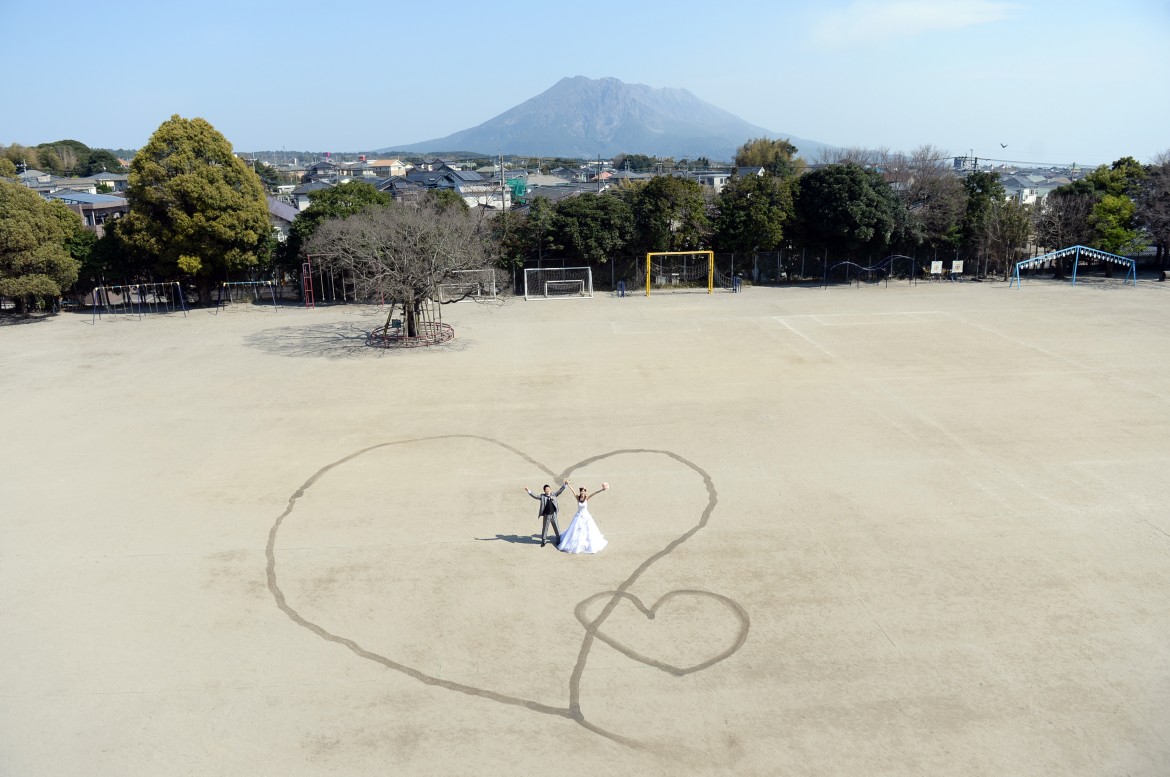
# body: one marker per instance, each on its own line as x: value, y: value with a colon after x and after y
x: 366, y: 539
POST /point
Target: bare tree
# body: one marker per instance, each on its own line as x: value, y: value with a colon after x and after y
x: 404, y: 251
x: 1153, y: 202
x: 866, y: 157
x: 1009, y: 226
x: 935, y: 195
x: 1063, y: 219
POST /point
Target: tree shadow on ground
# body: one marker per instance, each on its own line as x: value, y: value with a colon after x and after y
x: 16, y: 319
x: 337, y: 340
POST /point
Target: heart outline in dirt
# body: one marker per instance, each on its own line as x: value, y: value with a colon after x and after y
x: 592, y: 627
x: 650, y: 613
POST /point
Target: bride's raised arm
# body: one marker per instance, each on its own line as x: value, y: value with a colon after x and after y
x: 604, y: 487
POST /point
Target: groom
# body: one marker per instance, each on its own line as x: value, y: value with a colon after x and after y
x: 548, y: 510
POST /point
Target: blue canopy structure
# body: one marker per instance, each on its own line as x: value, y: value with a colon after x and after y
x: 1077, y: 252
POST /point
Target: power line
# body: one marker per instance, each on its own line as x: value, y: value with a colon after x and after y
x: 1036, y: 164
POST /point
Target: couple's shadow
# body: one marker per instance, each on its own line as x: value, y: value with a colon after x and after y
x: 515, y: 539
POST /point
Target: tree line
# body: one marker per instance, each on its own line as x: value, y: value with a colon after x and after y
x: 198, y: 213
x: 61, y: 158
x: 855, y: 205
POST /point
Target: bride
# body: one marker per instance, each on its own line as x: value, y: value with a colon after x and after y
x: 583, y: 536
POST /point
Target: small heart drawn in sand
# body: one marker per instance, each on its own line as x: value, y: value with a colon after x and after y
x: 681, y: 596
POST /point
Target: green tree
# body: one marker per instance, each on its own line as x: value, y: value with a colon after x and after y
x: 64, y: 157
x: 110, y: 260
x: 670, y: 214
x: 594, y: 227
x: 1100, y: 210
x: 525, y: 236
x: 23, y: 157
x: 337, y: 202
x: 35, y: 235
x: 1123, y: 177
x: 50, y: 160
x: 268, y: 175
x: 752, y: 212
x: 1114, y: 224
x: 508, y: 230
x: 101, y: 161
x: 1114, y: 216
x: 636, y: 163
x: 447, y: 198
x: 777, y: 157
x: 845, y: 210
x: 7, y: 168
x: 195, y: 208
x: 983, y: 191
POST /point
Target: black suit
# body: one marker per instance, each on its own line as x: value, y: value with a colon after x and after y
x: 548, y: 513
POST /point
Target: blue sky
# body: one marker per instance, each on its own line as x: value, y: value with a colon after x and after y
x: 1059, y: 81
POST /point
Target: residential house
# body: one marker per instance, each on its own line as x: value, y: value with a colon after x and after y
x: 570, y: 174
x: 624, y: 175
x: 540, y: 179
x: 399, y: 187
x: 118, y: 182
x: 1020, y: 189
x: 478, y: 192
x: 428, y: 179
x: 438, y: 165
x: 321, y: 171
x: 358, y: 169
x: 31, y: 177
x: 563, y: 191
x: 281, y: 215
x: 388, y: 168
x: 716, y: 180
x: 45, y: 184
x: 95, y: 209
x: 300, y: 195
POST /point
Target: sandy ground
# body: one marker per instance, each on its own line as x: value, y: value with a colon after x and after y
x: 880, y: 531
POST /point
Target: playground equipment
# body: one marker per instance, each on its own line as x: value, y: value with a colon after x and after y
x: 852, y: 271
x: 235, y: 292
x: 420, y: 325
x: 1076, y: 252
x: 137, y: 299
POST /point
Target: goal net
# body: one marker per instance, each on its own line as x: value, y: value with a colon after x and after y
x: 465, y: 284
x: 558, y: 283
x: 671, y: 271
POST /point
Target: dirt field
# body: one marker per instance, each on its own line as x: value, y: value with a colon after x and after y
x: 862, y: 531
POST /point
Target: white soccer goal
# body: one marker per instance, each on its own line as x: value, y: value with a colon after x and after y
x: 558, y: 283
x: 469, y: 284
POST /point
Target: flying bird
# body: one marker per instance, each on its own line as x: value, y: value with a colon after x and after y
x: 1003, y: 145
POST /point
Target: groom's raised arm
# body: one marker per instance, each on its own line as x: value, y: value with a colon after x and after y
x: 529, y: 492
x: 562, y: 488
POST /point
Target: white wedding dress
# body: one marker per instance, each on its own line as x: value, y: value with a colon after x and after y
x: 582, y: 536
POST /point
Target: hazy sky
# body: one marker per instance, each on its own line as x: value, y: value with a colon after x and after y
x: 1056, y: 80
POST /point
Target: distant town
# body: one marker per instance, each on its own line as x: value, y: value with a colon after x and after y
x: 291, y: 179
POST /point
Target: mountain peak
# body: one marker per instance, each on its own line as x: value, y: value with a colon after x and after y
x: 587, y: 117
